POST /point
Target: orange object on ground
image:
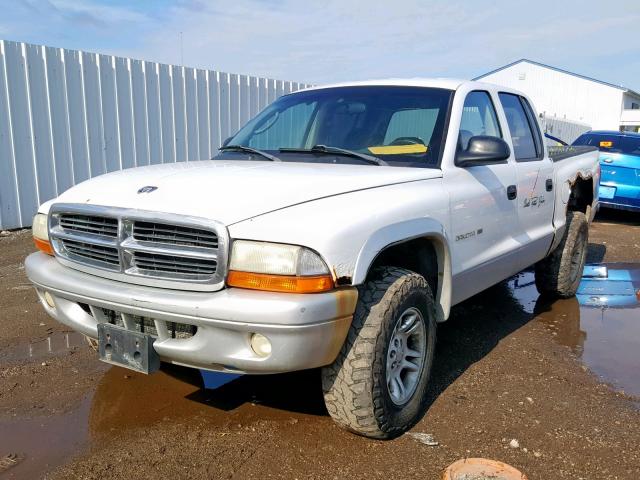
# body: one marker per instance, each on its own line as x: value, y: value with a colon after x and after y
x: 481, y: 469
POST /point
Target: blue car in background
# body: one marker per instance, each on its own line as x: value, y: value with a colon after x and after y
x: 620, y: 163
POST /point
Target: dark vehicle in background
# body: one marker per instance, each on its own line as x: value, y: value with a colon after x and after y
x: 552, y: 141
x: 620, y: 163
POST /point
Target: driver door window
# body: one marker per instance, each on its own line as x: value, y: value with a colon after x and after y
x: 478, y: 118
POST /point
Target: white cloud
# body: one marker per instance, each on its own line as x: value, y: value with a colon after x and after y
x: 108, y: 14
x: 334, y: 40
x: 311, y: 41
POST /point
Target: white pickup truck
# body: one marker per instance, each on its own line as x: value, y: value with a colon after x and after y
x: 334, y: 230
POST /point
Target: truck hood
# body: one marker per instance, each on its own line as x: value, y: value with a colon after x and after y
x: 232, y: 191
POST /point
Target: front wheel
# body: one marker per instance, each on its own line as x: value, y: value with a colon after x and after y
x: 377, y: 385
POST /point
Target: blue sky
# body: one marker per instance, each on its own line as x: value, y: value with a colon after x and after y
x: 335, y: 40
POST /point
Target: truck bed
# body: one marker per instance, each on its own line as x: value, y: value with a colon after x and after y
x: 562, y: 153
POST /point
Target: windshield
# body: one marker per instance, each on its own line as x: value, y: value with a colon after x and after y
x: 401, y: 125
x: 611, y: 143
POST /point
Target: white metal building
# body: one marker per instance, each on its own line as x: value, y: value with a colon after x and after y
x: 566, y: 95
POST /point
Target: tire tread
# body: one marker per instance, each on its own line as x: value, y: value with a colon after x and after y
x: 352, y: 385
x: 553, y: 274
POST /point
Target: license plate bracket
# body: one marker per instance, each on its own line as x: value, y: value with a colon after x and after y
x: 126, y: 348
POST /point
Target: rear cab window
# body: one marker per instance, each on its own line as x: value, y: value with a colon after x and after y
x: 415, y: 123
x: 525, y: 134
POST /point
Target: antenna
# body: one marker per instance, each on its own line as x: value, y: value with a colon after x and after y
x: 181, y: 51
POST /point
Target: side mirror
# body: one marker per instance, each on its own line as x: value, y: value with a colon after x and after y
x: 483, y: 150
x: 226, y: 141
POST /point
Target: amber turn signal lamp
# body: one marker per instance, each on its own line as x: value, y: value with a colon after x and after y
x: 43, y: 246
x: 280, y: 283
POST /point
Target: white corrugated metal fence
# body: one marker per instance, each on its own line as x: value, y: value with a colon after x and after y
x: 565, y: 130
x: 67, y: 115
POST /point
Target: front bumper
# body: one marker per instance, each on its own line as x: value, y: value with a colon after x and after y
x: 305, y: 330
x: 620, y: 203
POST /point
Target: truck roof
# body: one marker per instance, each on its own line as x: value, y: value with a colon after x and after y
x: 448, y: 83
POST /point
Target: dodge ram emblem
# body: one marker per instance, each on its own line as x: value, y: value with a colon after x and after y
x: 147, y: 189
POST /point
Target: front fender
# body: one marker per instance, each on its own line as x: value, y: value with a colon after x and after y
x: 350, y: 230
x: 402, y: 232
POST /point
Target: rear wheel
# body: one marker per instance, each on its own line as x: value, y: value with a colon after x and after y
x: 559, y: 274
x: 377, y: 385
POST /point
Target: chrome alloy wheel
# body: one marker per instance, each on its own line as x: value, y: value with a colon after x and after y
x: 405, y: 356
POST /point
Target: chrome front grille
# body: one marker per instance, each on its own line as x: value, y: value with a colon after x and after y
x: 153, y: 262
x: 174, y: 234
x: 94, y: 253
x: 95, y: 225
x: 148, y: 248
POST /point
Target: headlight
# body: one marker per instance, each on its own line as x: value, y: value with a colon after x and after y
x: 276, y: 259
x: 40, y: 232
x: 277, y: 267
x: 39, y: 227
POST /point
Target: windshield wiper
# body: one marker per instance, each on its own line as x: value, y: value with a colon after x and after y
x: 242, y: 148
x: 339, y: 151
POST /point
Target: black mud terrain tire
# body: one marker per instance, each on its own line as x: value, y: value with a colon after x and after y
x: 560, y: 273
x: 358, y: 386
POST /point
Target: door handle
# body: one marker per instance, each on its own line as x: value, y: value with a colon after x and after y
x: 512, y: 192
x: 549, y: 184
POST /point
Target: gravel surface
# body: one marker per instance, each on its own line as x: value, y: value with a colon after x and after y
x: 502, y: 387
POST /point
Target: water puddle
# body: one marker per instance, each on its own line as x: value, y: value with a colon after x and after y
x: 124, y: 400
x: 121, y: 400
x: 54, y: 344
x: 601, y: 324
x: 41, y: 444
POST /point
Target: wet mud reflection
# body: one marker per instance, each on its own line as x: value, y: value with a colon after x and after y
x: 601, y: 324
x: 57, y: 343
x: 42, y: 443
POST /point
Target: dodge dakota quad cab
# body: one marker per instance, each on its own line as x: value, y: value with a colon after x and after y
x: 334, y: 230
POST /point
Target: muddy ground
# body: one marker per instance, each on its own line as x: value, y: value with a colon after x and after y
x: 502, y: 372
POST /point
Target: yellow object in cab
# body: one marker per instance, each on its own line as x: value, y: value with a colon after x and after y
x: 398, y: 149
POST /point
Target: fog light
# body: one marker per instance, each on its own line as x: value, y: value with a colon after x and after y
x: 260, y: 345
x: 49, y: 299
